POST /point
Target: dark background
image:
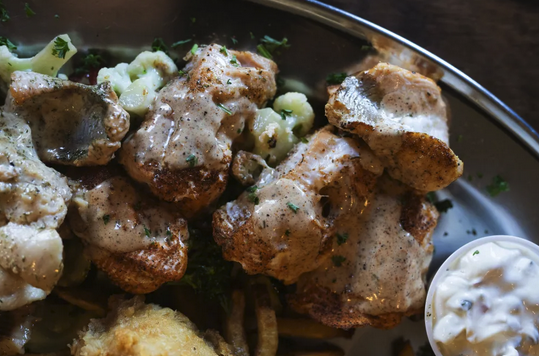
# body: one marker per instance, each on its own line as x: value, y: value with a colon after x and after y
x: 496, y: 42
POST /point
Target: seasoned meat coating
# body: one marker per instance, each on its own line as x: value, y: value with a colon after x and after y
x: 183, y: 148
x: 33, y: 203
x: 283, y: 226
x: 134, y: 328
x: 378, y: 265
x: 72, y: 123
x: 136, y: 240
x: 403, y: 118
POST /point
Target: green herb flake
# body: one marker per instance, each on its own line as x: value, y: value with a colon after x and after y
x: 89, y: 62
x: 252, y: 36
x: 29, y: 12
x: 6, y: 42
x: 497, y: 186
x: 192, y: 160
x: 336, y: 78
x: 224, y: 51
x: 147, y: 231
x: 285, y: 113
x: 293, y: 207
x: 476, y: 252
x: 304, y: 140
x: 61, y: 47
x: 234, y: 61
x: 287, y: 232
x: 273, y: 45
x: 479, y: 175
x: 193, y: 19
x: 252, y: 197
x: 4, y: 16
x: 159, y: 45
x: 460, y: 138
x: 252, y: 189
x: 263, y: 51
x: 181, y: 73
x: 169, y: 233
x: 56, y: 16
x: 338, y: 260
x: 234, y: 40
x: 444, y: 205
x: 225, y: 109
x: 366, y: 48
x: 239, y: 131
x: 179, y: 43
x: 229, y: 81
x: 342, y: 238
x: 106, y: 219
x: 194, y: 48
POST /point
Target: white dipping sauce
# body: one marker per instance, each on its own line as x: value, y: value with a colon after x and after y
x: 488, y: 303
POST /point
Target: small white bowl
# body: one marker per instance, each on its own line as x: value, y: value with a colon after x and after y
x: 440, y: 274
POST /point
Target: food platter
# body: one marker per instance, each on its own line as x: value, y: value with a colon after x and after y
x: 490, y: 138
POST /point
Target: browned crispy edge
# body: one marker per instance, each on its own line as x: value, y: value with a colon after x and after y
x: 419, y: 218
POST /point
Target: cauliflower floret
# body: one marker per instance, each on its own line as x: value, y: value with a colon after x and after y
x: 137, y: 83
x: 48, y: 61
x: 277, y: 130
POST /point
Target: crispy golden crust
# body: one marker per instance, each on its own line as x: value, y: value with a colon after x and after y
x: 419, y: 218
x: 143, y: 271
x: 134, y: 328
x: 363, y: 105
x: 182, y: 150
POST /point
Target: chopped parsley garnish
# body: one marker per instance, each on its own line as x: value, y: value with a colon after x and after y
x: 338, y: 260
x: 304, y: 140
x: 252, y: 36
x: 366, y: 48
x: 224, y: 108
x: 287, y: 232
x: 147, y: 231
x: 194, y: 48
x: 442, y: 206
x: 239, y: 131
x: 224, y: 51
x: 61, y: 47
x: 4, y: 16
x: 229, y: 81
x: 181, y: 73
x: 476, y: 252
x: 159, y: 45
x: 6, y: 42
x: 273, y: 45
x: 342, y: 238
x: 497, y: 186
x: 29, y: 12
x: 179, y: 43
x: 192, y: 160
x: 263, y: 51
x: 106, y: 219
x: 169, y: 233
x: 293, y: 207
x: 252, y: 197
x: 336, y: 78
x: 284, y: 113
x: 89, y: 62
x: 234, y: 40
x: 459, y: 138
x: 193, y: 19
x: 234, y: 61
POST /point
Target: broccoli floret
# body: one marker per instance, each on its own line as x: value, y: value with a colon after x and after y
x: 207, y: 272
x: 277, y: 130
x: 137, y: 83
x: 48, y: 61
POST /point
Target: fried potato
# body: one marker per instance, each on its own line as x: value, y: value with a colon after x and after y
x: 234, y: 330
x: 268, y: 337
x: 309, y: 329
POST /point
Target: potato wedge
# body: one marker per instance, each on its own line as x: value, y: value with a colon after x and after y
x: 234, y: 330
x: 309, y: 329
x: 268, y: 337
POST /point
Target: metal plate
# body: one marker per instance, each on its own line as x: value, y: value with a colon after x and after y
x: 495, y: 141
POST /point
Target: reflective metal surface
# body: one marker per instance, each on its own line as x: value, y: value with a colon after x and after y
x: 488, y: 136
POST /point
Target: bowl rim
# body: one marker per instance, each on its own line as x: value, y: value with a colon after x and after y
x: 443, y: 269
x: 477, y: 95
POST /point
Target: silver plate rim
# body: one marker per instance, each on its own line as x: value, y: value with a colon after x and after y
x: 461, y: 83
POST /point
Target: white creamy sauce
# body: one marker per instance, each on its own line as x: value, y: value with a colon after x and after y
x: 488, y: 303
